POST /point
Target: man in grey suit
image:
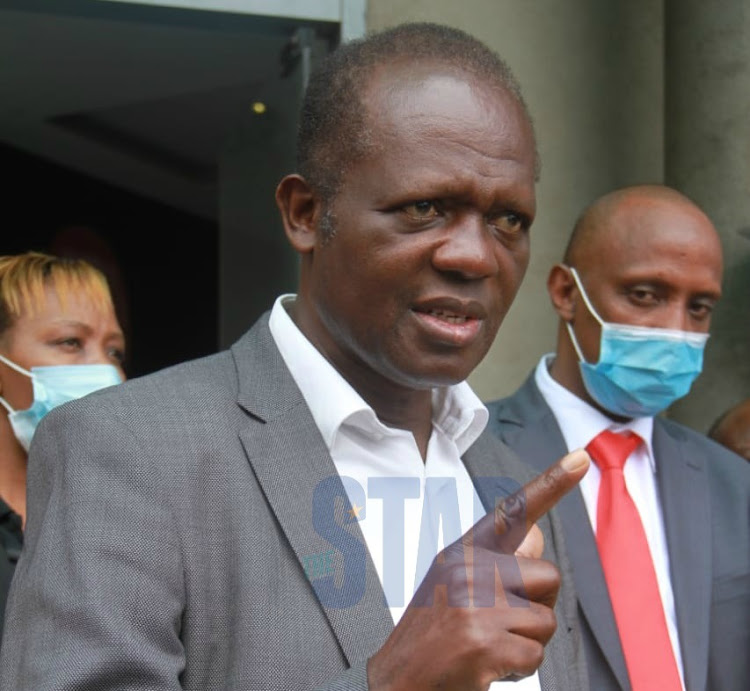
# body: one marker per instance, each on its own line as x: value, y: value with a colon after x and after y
x: 252, y: 520
x: 634, y: 294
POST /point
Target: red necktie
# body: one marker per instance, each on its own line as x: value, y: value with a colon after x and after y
x: 629, y: 570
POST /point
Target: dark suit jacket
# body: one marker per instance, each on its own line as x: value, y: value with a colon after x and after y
x: 170, y: 521
x: 705, y: 497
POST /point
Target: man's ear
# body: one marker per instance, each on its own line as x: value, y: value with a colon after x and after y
x: 563, y: 291
x: 300, y: 210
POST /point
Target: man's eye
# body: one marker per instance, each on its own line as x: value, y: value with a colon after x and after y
x: 509, y: 222
x: 422, y: 210
x: 701, y: 310
x: 643, y: 295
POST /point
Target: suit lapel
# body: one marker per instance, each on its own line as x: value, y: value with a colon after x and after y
x: 283, y: 444
x: 528, y: 425
x: 683, y: 491
x: 593, y: 596
x: 496, y: 472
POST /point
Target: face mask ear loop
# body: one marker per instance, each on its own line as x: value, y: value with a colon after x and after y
x: 16, y: 367
x: 590, y: 308
x: 574, y: 341
x: 585, y: 297
x: 6, y: 405
x: 19, y: 369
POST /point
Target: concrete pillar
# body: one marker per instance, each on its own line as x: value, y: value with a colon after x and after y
x: 256, y: 263
x: 592, y: 75
x: 707, y: 135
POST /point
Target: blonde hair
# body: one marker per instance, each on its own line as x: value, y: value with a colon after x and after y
x: 24, y: 279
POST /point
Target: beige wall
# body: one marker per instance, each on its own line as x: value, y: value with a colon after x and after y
x: 592, y: 74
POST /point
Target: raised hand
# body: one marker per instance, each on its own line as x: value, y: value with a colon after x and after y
x: 484, y: 611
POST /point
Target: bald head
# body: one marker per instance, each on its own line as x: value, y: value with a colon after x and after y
x: 732, y: 429
x: 628, y: 211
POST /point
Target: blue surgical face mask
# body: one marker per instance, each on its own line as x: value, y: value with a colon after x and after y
x: 53, y: 386
x: 641, y: 370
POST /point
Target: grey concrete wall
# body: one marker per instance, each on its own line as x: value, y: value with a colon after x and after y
x: 708, y: 158
x: 592, y: 74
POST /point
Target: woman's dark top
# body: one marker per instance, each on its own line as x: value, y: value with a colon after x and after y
x: 11, y: 541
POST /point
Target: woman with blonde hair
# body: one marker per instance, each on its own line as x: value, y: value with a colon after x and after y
x: 59, y: 340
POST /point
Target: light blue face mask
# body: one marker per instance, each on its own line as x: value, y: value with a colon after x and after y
x: 641, y: 370
x: 53, y: 386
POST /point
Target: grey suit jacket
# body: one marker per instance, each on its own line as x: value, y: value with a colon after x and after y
x: 705, y: 497
x: 170, y: 523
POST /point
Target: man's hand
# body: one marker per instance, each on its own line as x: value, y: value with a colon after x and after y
x: 484, y: 611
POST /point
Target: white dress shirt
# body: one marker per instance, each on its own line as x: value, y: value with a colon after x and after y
x: 420, y: 506
x: 580, y: 423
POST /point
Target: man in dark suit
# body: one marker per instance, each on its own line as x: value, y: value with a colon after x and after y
x: 259, y: 519
x: 634, y: 294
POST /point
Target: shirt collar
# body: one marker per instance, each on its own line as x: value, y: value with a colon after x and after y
x: 333, y: 402
x: 580, y: 422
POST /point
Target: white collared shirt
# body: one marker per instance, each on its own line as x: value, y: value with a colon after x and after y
x: 388, y: 467
x: 579, y: 423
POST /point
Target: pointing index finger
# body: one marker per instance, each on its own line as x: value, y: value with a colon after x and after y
x: 514, y: 515
x: 538, y: 496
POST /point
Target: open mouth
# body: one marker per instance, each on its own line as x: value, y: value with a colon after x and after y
x: 448, y: 316
x: 447, y: 326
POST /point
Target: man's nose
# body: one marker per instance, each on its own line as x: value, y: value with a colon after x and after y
x: 676, y: 317
x: 468, y: 250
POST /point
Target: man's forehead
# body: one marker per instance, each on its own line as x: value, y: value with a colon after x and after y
x: 643, y: 225
x: 445, y: 107
x: 396, y: 84
x: 409, y: 98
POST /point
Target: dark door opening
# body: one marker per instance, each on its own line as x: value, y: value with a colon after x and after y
x: 161, y: 262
